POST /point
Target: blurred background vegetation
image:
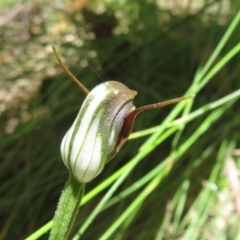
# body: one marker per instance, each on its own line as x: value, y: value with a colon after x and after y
x: 153, y: 46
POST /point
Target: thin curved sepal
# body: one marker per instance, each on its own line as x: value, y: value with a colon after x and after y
x: 75, y: 80
x: 130, y: 118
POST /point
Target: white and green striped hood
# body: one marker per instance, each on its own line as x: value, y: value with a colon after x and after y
x: 94, y: 137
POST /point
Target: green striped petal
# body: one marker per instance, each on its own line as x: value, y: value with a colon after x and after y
x: 91, y: 140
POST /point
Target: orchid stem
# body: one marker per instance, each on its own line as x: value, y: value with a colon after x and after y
x: 67, y: 209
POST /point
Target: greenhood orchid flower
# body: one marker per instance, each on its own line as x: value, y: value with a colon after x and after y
x: 92, y: 139
x: 101, y: 127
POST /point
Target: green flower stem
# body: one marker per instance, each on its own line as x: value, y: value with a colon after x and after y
x: 67, y: 209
